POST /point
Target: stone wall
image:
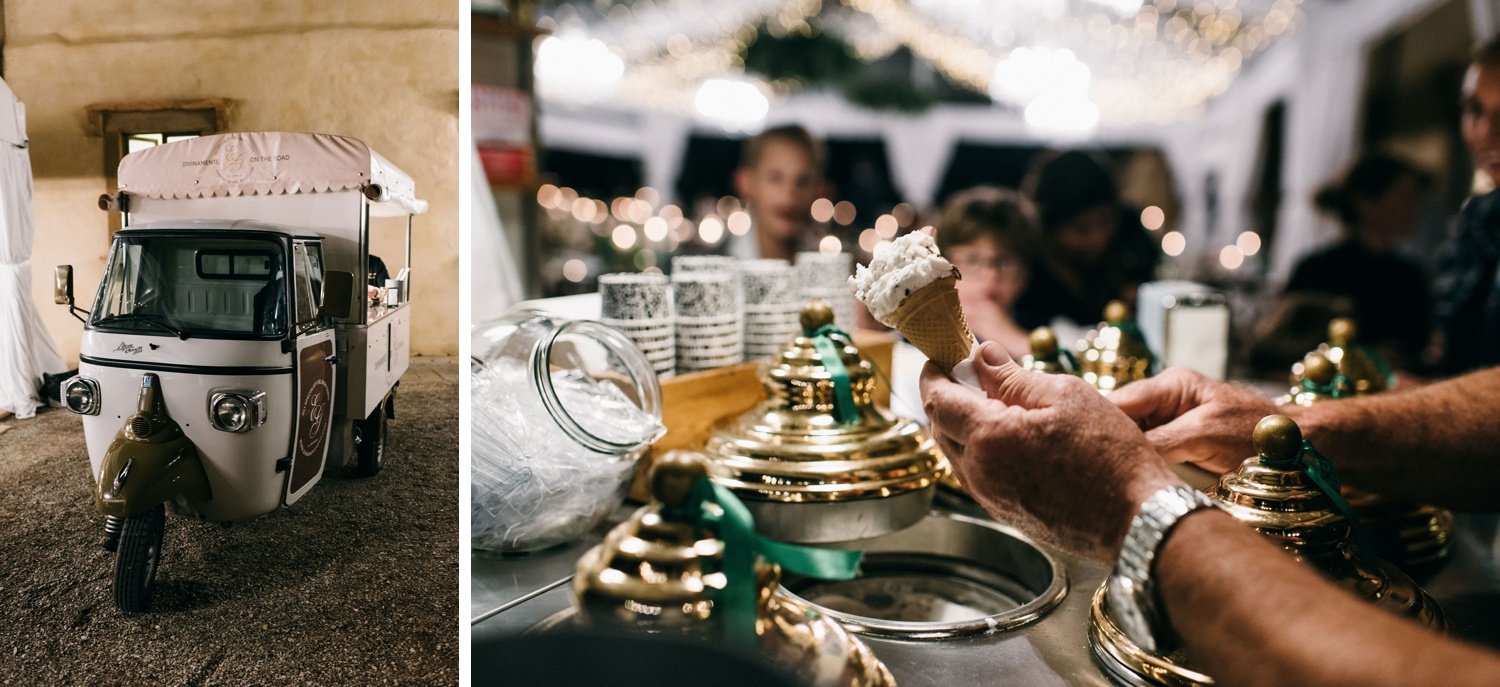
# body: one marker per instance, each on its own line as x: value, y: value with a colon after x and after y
x: 383, y: 71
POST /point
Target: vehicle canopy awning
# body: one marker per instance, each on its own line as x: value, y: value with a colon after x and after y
x: 269, y: 163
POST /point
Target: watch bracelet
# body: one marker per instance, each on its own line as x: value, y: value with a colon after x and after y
x: 1154, y: 521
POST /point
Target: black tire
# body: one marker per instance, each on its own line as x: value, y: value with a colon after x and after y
x: 137, y: 559
x: 371, y: 435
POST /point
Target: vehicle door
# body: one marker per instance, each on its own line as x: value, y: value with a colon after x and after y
x: 315, y: 368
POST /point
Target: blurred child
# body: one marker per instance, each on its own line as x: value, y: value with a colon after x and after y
x: 780, y: 176
x: 990, y: 235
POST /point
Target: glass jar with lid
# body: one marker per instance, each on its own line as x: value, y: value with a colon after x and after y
x: 562, y: 411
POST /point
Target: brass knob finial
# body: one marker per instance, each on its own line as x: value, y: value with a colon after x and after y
x: 1043, y: 343
x: 673, y: 476
x: 1116, y: 311
x: 1342, y: 331
x: 815, y: 315
x: 1278, y: 438
x: 1318, y: 369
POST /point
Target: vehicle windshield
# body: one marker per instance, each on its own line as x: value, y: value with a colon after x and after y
x: 194, y: 286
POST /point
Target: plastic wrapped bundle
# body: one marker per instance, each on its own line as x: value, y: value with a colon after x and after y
x: 534, y: 485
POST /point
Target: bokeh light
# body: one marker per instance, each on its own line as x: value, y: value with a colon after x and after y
x: 1173, y: 243
x: 844, y: 213
x: 1248, y: 243
x: 1153, y: 218
x: 738, y: 222
x: 1231, y: 257
x: 655, y: 229
x: 623, y: 236
x: 822, y: 210
x: 711, y: 230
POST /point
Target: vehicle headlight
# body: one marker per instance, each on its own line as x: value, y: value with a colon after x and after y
x: 81, y: 395
x: 237, y: 411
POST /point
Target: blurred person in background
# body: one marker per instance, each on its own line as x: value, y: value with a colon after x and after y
x: 990, y: 235
x: 1376, y: 201
x: 780, y: 175
x: 1093, y: 249
x: 1467, y: 305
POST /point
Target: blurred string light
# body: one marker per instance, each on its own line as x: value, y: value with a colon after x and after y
x: 830, y: 245
x: 885, y: 227
x: 575, y: 270
x: 1173, y: 243
x: 1248, y: 243
x: 844, y: 212
x: 573, y: 67
x: 1153, y: 218
x: 655, y: 229
x: 1150, y: 61
x: 1231, y: 257
x: 738, y: 222
x: 822, y: 210
x: 734, y: 105
x: 623, y: 236
x: 711, y: 230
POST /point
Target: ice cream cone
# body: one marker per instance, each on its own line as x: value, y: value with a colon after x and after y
x: 932, y: 320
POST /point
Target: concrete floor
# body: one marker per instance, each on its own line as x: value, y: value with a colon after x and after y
x: 356, y: 583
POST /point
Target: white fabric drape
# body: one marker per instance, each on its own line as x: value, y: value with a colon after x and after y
x: 26, y: 348
x: 494, y: 276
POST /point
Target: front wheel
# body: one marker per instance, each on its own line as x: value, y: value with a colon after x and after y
x: 137, y: 558
x: 370, y: 436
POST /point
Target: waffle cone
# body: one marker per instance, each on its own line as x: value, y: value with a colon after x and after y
x: 932, y: 320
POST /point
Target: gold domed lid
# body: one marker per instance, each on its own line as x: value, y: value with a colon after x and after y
x: 799, y: 445
x: 1353, y: 362
x: 1317, y: 380
x: 1116, y: 352
x: 651, y: 573
x: 1277, y: 493
x: 1045, y: 354
x: 662, y: 576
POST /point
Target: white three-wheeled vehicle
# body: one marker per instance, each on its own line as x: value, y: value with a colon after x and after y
x: 231, y: 353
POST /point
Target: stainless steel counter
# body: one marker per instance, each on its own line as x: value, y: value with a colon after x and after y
x: 512, y: 594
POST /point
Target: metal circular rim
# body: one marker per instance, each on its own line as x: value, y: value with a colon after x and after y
x: 1022, y: 615
x: 635, y: 364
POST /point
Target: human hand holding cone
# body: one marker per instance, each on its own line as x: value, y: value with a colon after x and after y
x: 910, y: 287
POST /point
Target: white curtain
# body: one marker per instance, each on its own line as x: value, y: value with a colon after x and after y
x: 495, y: 283
x: 26, y: 348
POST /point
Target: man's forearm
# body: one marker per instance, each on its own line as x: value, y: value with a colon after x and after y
x: 1437, y: 444
x: 1251, y: 615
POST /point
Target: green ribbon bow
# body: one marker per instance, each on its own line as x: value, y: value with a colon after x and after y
x: 716, y: 508
x: 828, y: 340
x: 1336, y: 388
x: 1381, y: 365
x: 1325, y: 476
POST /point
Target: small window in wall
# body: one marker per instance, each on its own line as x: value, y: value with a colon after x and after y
x: 135, y: 143
x: 128, y: 127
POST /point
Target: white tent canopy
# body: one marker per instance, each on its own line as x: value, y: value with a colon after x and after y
x: 268, y: 164
x: 26, y: 348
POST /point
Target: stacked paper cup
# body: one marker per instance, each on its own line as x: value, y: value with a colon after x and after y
x: 640, y: 305
x: 826, y: 277
x: 772, y: 306
x: 709, y: 319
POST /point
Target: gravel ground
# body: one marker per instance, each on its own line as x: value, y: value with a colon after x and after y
x: 355, y: 584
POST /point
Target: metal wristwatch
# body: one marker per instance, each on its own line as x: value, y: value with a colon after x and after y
x: 1134, y: 603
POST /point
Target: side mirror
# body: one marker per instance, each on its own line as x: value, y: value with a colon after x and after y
x: 62, y: 290
x: 62, y: 285
x: 338, y: 292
